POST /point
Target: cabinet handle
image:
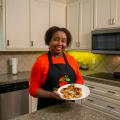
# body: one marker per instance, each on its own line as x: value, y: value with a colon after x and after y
x: 90, y: 100
x: 108, y: 106
x: 76, y: 44
x: 113, y: 21
x: 31, y: 43
x: 8, y: 42
x: 111, y: 92
x: 110, y: 21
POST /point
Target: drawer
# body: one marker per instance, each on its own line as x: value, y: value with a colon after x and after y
x: 103, y: 105
x: 104, y: 90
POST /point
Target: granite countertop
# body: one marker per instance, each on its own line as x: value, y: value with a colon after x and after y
x: 24, y: 76
x: 9, y: 78
x: 67, y: 111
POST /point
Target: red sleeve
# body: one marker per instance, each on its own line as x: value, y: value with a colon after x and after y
x: 79, y: 78
x: 35, y: 79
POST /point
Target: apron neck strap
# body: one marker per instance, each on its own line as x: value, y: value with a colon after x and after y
x: 50, y: 58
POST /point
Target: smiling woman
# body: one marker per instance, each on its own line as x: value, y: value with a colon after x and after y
x: 50, y: 67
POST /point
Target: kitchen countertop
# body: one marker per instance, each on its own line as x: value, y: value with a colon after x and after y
x: 24, y: 76
x: 9, y: 78
x: 67, y: 111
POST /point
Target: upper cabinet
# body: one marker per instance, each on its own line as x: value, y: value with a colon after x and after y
x: 17, y: 24
x: 106, y: 13
x: 1, y: 28
x: 39, y: 22
x: 57, y: 13
x: 85, y: 24
x: 43, y: 14
x: 23, y: 23
x: 0, y: 2
x: 73, y: 21
x: 80, y: 23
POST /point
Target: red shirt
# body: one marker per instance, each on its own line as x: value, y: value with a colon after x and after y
x: 40, y: 70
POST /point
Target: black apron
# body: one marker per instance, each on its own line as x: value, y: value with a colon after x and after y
x: 52, y: 80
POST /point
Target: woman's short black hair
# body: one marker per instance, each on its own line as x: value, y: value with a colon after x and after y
x: 52, y: 30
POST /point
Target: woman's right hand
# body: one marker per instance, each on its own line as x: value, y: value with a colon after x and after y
x: 55, y: 95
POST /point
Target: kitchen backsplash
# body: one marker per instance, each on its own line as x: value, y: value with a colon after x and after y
x: 97, y: 62
x: 25, y: 62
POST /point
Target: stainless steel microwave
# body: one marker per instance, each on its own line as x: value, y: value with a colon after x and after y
x: 106, y: 41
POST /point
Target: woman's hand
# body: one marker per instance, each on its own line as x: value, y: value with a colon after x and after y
x: 55, y: 95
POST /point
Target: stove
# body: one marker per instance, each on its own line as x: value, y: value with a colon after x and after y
x: 106, y: 76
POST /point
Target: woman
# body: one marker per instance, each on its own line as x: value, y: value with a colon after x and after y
x: 54, y: 68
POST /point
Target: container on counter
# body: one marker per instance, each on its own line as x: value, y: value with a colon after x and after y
x: 13, y: 65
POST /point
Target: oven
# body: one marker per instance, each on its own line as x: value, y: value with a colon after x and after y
x: 14, y: 100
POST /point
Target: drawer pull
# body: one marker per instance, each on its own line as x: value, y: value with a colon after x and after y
x: 91, y: 87
x: 90, y: 100
x: 111, y: 92
x: 108, y: 106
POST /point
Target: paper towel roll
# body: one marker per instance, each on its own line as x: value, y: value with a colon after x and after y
x: 14, y: 63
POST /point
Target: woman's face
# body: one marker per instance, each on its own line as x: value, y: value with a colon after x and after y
x: 58, y: 42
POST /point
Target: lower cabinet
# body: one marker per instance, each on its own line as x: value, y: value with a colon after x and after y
x: 105, y: 104
x: 32, y: 104
x: 103, y: 97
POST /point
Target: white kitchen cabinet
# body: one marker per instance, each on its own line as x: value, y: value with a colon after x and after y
x: 16, y: 24
x: 106, y: 13
x: 73, y: 21
x: 23, y: 23
x: 1, y: 28
x: 39, y: 21
x: 80, y: 23
x: 57, y: 13
x: 103, y: 97
x: 85, y: 24
x: 54, y: 15
x: 0, y: 2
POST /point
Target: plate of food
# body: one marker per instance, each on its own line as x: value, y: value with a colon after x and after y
x: 73, y: 91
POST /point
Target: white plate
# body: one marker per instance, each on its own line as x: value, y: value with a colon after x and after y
x: 85, y: 91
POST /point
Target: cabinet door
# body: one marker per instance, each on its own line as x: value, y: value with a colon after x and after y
x: 115, y: 15
x: 102, y: 14
x: 39, y: 19
x: 1, y: 29
x: 0, y: 2
x: 32, y: 104
x: 85, y: 23
x: 57, y: 13
x: 73, y: 22
x: 17, y: 24
x: 117, y: 12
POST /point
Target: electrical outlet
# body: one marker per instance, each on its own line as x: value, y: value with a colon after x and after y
x: 93, y: 60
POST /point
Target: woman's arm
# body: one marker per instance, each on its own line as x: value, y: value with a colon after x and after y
x: 41, y: 93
